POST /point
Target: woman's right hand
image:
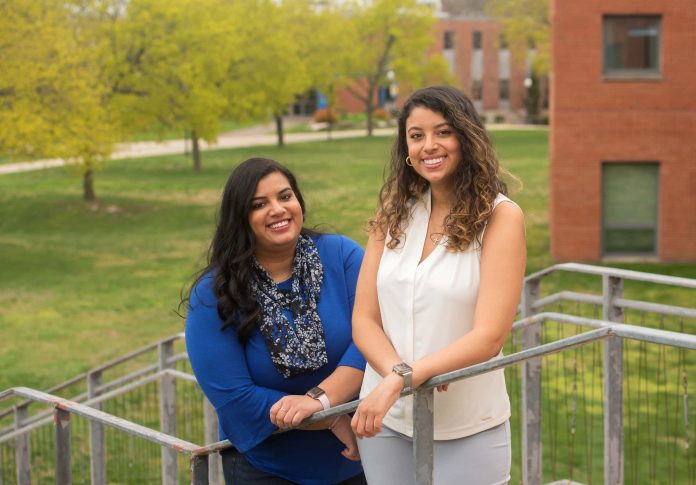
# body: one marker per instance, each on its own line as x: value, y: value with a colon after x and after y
x: 343, y: 432
x: 367, y: 421
x: 291, y: 410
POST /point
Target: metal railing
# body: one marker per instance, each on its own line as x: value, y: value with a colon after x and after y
x: 205, y: 466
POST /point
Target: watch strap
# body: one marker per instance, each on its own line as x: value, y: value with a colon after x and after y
x: 324, y: 400
x: 406, y: 372
x: 319, y: 394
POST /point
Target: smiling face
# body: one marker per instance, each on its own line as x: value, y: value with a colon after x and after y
x: 433, y: 146
x: 275, y: 216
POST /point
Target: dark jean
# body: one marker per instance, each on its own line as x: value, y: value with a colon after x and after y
x: 238, y: 471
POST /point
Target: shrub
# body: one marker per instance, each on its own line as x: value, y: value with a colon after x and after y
x: 326, y: 115
x: 381, y: 114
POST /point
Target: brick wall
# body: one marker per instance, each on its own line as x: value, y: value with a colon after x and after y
x: 595, y: 119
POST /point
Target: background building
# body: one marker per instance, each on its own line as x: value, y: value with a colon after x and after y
x: 623, y: 130
x: 478, y: 55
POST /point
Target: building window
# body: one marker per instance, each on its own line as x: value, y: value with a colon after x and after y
x: 477, y: 40
x: 503, y: 41
x: 504, y: 89
x: 477, y: 90
x: 629, y: 208
x: 631, y: 46
x: 448, y: 39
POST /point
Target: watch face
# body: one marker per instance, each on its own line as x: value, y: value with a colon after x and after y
x: 402, y: 368
x: 315, y: 392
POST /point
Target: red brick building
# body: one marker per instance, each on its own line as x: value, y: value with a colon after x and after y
x: 478, y: 56
x: 623, y: 130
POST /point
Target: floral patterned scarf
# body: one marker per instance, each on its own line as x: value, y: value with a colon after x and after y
x: 301, y: 347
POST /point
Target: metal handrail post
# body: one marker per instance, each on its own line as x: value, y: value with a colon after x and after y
x: 170, y: 473
x: 531, y: 390
x: 22, y: 446
x: 423, y: 434
x: 612, y: 289
x: 63, y: 456
x: 210, y: 425
x: 199, y: 470
x: 97, y: 442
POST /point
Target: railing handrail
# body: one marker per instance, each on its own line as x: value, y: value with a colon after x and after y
x: 601, y: 329
x: 103, y: 417
x: 532, y: 350
x: 615, y: 272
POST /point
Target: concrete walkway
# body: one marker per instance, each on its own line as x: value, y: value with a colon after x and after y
x: 246, y: 137
x: 235, y: 139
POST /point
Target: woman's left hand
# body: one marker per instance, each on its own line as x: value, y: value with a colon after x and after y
x: 290, y: 411
x: 367, y: 421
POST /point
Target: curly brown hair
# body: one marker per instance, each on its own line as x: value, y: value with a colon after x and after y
x: 477, y: 178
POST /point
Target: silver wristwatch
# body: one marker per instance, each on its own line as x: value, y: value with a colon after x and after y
x: 404, y: 370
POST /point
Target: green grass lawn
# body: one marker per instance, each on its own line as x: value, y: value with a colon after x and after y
x: 81, y: 284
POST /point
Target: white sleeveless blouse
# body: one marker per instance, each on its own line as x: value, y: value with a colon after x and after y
x: 425, y: 307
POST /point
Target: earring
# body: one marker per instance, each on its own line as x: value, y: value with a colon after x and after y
x: 408, y: 162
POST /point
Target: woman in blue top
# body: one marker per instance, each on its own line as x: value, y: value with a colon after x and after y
x: 268, y: 334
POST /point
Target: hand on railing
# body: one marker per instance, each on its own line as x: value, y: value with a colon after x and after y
x: 341, y: 428
x: 291, y: 410
x: 367, y: 421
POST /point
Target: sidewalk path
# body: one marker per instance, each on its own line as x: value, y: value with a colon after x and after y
x: 256, y: 136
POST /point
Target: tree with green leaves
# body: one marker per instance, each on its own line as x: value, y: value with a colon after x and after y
x: 168, y: 64
x: 52, y: 90
x: 391, y: 35
x: 329, y: 52
x: 274, y: 68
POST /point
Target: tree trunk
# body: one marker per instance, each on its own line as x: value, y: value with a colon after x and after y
x: 329, y: 128
x: 196, y: 151
x: 88, y: 186
x: 279, y: 129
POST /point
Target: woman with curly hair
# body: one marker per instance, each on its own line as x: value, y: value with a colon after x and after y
x: 438, y: 291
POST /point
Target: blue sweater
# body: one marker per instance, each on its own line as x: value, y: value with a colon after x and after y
x: 242, y: 383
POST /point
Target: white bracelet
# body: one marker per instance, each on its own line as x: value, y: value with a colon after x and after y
x: 324, y: 400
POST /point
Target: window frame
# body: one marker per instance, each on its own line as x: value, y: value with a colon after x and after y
x: 477, y: 40
x: 504, y: 89
x: 477, y: 90
x: 612, y: 73
x: 448, y: 40
x: 607, y: 255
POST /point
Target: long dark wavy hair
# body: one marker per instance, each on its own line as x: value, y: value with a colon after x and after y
x: 232, y: 249
x: 477, y: 178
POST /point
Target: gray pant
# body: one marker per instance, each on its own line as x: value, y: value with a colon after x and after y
x: 480, y: 459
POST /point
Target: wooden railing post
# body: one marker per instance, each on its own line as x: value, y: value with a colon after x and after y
x: 531, y: 391
x: 170, y: 475
x: 423, y: 434
x: 612, y: 288
x: 211, y: 435
x: 22, y: 447
x: 96, y: 434
x: 61, y: 419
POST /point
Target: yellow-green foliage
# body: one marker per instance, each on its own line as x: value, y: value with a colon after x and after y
x: 51, y: 91
x: 168, y: 62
